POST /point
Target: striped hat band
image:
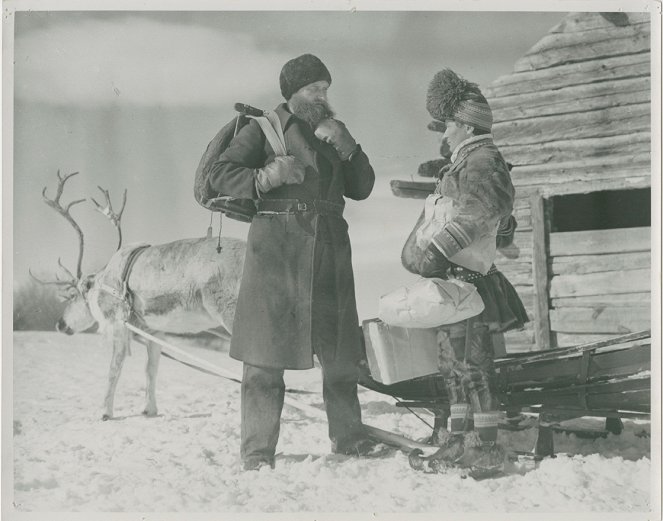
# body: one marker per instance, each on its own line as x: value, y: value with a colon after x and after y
x: 474, y: 113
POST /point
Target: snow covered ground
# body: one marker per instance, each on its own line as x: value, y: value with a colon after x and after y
x: 186, y: 459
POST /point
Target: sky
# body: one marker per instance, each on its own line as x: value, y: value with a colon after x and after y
x: 130, y: 100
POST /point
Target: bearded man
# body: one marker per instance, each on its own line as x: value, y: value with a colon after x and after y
x: 297, y: 293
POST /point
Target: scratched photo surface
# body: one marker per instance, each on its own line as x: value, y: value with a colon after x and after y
x: 129, y: 100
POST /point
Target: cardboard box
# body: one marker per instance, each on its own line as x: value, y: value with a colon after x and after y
x: 396, y: 353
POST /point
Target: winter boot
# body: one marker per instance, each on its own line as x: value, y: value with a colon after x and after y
x: 452, y: 443
x: 483, y: 456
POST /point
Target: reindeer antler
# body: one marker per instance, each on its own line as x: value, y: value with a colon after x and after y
x: 64, y: 211
x: 57, y: 281
x: 108, y: 212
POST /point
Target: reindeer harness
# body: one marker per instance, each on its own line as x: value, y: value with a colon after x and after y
x: 118, y: 286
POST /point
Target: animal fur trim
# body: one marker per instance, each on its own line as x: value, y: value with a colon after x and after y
x: 446, y: 90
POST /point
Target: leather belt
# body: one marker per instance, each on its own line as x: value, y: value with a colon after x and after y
x: 286, y: 206
x: 460, y: 273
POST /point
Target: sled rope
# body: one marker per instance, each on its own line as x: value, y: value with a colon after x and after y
x: 390, y: 438
x: 205, y: 366
x: 419, y: 417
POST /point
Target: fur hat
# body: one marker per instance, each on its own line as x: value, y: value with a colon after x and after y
x: 301, y: 71
x: 452, y: 97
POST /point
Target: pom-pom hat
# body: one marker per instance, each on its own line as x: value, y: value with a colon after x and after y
x: 452, y: 97
x: 301, y: 71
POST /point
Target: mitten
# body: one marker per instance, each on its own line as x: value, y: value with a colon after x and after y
x: 284, y: 170
x: 433, y: 263
x: 336, y: 134
x: 432, y: 168
x: 505, y: 232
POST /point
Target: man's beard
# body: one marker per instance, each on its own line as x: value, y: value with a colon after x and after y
x: 311, y: 112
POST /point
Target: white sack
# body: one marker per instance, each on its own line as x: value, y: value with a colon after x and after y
x: 430, y: 303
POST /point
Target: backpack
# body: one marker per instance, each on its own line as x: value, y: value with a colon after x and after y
x: 235, y: 208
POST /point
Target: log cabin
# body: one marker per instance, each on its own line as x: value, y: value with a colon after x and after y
x: 574, y: 120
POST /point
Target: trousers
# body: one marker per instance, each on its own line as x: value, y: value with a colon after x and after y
x: 466, y: 362
x: 263, y: 391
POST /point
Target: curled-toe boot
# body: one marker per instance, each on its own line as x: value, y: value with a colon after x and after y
x: 482, y: 455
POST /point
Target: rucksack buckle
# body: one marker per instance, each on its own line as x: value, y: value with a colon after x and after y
x: 302, y: 207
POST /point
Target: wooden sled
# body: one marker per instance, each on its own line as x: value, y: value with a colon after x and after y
x: 609, y: 379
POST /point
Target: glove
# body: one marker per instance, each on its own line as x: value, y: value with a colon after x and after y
x: 284, y: 170
x: 433, y: 263
x: 336, y: 134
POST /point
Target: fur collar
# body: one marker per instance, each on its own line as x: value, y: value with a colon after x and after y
x: 464, y: 148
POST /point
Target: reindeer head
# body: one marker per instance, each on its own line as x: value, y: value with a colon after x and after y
x: 76, y: 316
x: 75, y: 289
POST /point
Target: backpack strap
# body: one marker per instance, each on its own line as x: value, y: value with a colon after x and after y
x: 271, y: 127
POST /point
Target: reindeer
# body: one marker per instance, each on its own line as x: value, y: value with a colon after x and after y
x: 186, y: 286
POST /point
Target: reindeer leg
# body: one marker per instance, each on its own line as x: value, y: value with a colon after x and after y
x: 151, y: 368
x: 120, y: 341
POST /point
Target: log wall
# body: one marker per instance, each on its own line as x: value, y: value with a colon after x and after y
x: 574, y: 117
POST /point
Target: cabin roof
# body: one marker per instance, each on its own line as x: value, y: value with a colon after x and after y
x: 574, y: 115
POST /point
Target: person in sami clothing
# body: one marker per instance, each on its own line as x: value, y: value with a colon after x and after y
x: 472, y: 202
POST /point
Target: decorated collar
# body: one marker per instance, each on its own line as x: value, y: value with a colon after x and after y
x: 464, y: 148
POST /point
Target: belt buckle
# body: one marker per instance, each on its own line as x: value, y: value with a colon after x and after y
x: 302, y: 207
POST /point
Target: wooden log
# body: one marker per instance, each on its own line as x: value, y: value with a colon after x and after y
x: 521, y: 202
x: 525, y: 224
x: 560, y: 48
x: 593, y: 242
x: 627, y: 319
x: 522, y: 211
x: 591, y: 169
x: 412, y: 189
x: 584, y: 187
x: 551, y: 180
x: 623, y: 362
x: 597, y: 185
x: 519, y: 341
x: 625, y: 398
x: 565, y: 371
x: 629, y: 395
x: 578, y: 98
x: 518, y: 273
x: 527, y: 109
x: 540, y: 273
x: 601, y: 69
x: 521, y: 249
x: 605, y: 283
x: 569, y: 40
x: 513, y: 267
x: 519, y: 278
x: 574, y: 339
x: 577, y: 264
x: 522, y: 255
x: 613, y: 121
x: 618, y: 342
x: 602, y: 300
x: 637, y: 144
x: 575, y: 22
x: 525, y: 292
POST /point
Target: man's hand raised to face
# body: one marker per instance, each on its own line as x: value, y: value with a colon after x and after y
x: 336, y: 134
